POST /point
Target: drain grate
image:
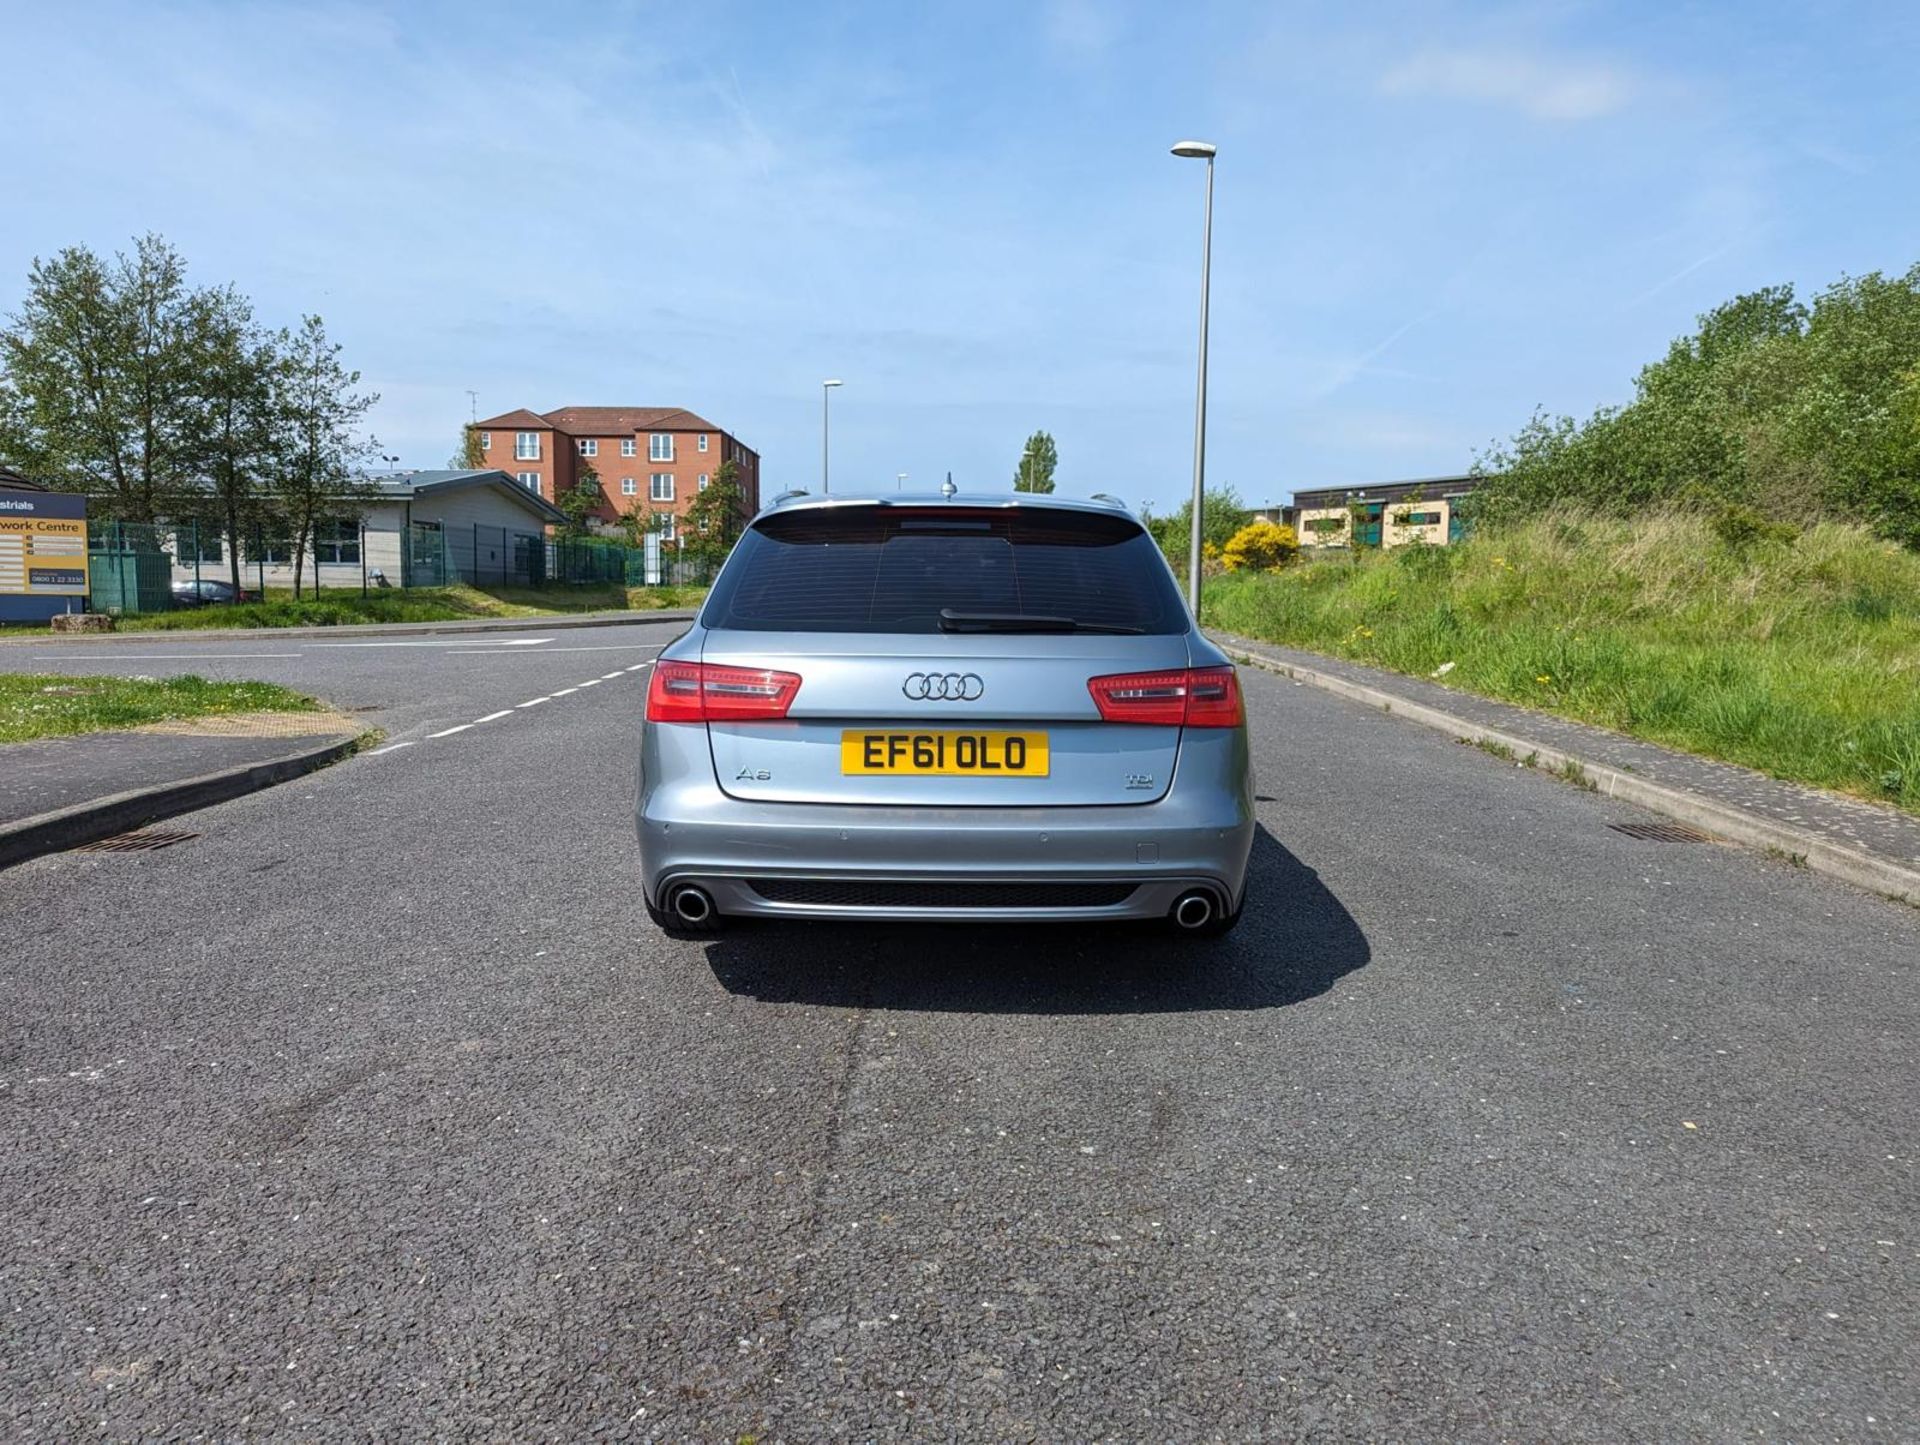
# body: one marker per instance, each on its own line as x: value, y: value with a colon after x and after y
x: 144, y: 840
x: 1662, y: 832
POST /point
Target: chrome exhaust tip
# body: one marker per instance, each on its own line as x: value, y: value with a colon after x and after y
x: 1194, y: 910
x: 692, y: 906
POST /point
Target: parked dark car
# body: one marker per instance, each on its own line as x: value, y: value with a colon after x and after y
x: 207, y: 590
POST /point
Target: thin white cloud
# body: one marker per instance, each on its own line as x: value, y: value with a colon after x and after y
x: 1081, y: 29
x: 1347, y: 370
x: 1548, y: 88
x: 1682, y: 274
x: 1835, y: 156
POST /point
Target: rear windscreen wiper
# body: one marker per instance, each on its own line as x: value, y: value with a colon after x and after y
x: 952, y: 621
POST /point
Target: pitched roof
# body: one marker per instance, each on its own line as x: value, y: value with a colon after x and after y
x: 12, y: 481
x: 520, y: 417
x: 426, y: 483
x: 605, y: 420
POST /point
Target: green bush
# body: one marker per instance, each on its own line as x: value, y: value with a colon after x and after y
x: 1782, y: 409
x: 1740, y: 527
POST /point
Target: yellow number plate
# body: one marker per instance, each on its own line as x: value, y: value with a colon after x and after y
x: 946, y: 754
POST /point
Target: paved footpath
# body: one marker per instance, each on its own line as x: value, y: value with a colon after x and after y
x: 52, y: 773
x: 1881, y: 830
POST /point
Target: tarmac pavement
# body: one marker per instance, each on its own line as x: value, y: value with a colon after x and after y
x: 381, y: 1109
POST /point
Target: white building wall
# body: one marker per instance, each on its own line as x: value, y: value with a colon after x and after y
x: 379, y: 549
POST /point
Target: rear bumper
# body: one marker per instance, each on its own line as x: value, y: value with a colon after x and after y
x: 1197, y: 835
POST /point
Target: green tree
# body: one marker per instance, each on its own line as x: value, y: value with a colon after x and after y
x: 318, y: 441
x: 469, y: 457
x: 1797, y: 411
x: 232, y: 427
x: 714, y: 517
x: 1037, y: 461
x: 98, y: 377
x: 581, y: 502
x: 1225, y: 514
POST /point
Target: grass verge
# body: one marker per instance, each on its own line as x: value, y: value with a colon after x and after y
x: 48, y: 705
x: 1800, y: 659
x: 457, y: 603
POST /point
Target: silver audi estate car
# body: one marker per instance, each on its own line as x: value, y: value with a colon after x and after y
x: 944, y: 707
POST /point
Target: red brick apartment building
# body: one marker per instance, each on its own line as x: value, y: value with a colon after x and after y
x: 655, y: 458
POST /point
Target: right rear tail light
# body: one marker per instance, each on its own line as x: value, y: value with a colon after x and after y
x: 709, y: 692
x: 1195, y: 697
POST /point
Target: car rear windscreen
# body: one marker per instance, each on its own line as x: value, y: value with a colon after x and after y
x: 893, y: 569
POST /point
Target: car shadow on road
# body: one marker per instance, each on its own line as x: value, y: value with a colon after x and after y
x: 1295, y: 941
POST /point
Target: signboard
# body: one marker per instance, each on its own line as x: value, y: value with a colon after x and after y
x: 43, y: 555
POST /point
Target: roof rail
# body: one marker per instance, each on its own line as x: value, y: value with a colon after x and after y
x: 1109, y: 499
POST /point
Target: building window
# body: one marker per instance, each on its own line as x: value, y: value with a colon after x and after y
x: 661, y: 489
x: 195, y: 544
x: 531, y: 481
x: 703, y: 441
x: 272, y: 551
x: 337, y: 540
x: 628, y: 487
x: 1418, y: 519
x: 660, y: 447
x: 667, y: 525
x: 589, y: 447
x: 526, y: 446
x: 629, y: 447
x: 703, y: 481
x: 486, y: 441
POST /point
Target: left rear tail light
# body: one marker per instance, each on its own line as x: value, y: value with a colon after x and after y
x: 1195, y: 697
x: 707, y: 692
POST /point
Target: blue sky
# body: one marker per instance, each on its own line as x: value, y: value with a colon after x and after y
x: 1429, y: 217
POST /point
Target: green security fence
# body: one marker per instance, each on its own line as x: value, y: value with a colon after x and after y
x: 127, y: 569
x: 134, y: 566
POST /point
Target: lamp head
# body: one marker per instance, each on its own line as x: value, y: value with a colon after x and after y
x: 1196, y: 150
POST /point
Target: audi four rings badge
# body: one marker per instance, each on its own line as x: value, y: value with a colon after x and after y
x: 943, y: 686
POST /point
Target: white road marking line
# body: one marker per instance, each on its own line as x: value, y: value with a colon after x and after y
x: 610, y: 676
x: 563, y: 691
x: 593, y: 682
x: 442, y: 641
x: 151, y: 656
x: 636, y: 667
x: 449, y: 732
x: 534, y: 703
x: 603, y: 647
x: 390, y: 748
x: 495, y: 716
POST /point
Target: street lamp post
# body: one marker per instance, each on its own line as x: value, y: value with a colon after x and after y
x: 1199, y: 150
x: 826, y: 390
x: 899, y: 480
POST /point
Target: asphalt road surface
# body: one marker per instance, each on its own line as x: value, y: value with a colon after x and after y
x: 379, y: 1109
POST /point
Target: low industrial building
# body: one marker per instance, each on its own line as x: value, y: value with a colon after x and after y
x: 422, y: 528
x: 1382, y: 514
